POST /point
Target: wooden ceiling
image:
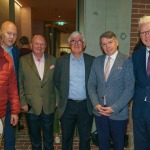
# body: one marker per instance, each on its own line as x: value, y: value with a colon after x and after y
x: 53, y: 11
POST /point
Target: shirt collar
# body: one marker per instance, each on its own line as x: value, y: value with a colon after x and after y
x: 10, y: 48
x: 35, y: 59
x: 73, y: 58
x: 113, y: 56
x: 148, y: 49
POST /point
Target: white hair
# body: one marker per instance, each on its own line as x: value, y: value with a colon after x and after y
x: 74, y: 34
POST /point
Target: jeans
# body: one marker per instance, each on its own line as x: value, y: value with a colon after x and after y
x: 9, y: 131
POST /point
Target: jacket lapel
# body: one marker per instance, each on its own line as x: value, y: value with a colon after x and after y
x: 46, y: 65
x: 116, y: 64
x: 86, y: 67
x: 102, y: 66
x: 32, y: 64
x: 67, y: 68
x: 143, y: 63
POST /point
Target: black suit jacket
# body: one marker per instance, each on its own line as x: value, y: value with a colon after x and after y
x: 61, y: 80
x: 16, y: 54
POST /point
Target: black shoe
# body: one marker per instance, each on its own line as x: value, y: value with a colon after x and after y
x: 20, y: 127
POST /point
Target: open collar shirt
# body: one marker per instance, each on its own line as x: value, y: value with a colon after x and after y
x: 77, y: 89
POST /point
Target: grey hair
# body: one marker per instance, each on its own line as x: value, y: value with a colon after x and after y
x: 74, y: 34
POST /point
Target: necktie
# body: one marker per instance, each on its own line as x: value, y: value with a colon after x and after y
x: 107, y: 68
x: 148, y: 64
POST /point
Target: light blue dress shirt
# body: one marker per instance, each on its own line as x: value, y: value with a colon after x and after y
x: 77, y: 90
x: 10, y: 52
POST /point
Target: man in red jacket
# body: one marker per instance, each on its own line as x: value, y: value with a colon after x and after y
x: 8, y: 88
x: 9, y: 34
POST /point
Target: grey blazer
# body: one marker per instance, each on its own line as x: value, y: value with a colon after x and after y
x: 119, y: 87
x: 61, y: 80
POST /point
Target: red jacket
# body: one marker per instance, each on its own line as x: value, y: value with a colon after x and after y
x: 8, y: 85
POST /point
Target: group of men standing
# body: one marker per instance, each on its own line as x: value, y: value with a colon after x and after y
x: 83, y: 84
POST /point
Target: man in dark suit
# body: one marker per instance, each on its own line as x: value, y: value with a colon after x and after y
x: 9, y: 35
x: 111, y: 87
x: 38, y: 93
x: 75, y: 108
x: 141, y: 99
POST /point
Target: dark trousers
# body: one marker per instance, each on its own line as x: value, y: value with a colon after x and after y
x: 108, y: 128
x: 35, y: 124
x: 9, y: 131
x: 76, y: 114
x: 141, y: 127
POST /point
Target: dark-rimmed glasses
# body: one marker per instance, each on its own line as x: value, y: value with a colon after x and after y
x: 79, y: 42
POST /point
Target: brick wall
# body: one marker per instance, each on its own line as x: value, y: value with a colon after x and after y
x: 139, y: 9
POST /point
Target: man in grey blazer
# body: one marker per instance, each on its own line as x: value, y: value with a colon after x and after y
x: 37, y: 93
x: 110, y: 87
x: 75, y: 108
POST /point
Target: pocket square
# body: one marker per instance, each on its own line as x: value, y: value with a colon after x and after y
x: 52, y: 67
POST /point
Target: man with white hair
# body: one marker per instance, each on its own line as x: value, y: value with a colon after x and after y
x: 141, y: 99
x: 70, y: 77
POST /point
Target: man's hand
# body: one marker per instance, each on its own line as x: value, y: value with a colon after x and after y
x: 99, y: 108
x: 25, y: 108
x: 106, y: 111
x: 14, y: 119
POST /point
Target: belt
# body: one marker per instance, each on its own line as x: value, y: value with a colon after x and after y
x: 77, y: 101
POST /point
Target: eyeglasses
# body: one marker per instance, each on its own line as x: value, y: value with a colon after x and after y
x: 145, y: 33
x: 73, y: 42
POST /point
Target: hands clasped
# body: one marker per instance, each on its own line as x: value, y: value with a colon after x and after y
x: 106, y: 111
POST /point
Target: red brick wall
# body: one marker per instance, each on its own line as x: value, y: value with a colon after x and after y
x: 139, y: 9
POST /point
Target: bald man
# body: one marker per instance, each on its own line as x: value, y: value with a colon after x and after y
x: 8, y: 38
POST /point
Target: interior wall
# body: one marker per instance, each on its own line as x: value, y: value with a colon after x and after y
x: 4, y: 14
x: 139, y: 9
x: 4, y: 11
x: 26, y: 22
x: 63, y: 40
x: 37, y: 27
x: 18, y: 20
x: 104, y: 15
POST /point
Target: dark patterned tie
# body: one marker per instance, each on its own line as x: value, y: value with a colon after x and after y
x: 148, y: 65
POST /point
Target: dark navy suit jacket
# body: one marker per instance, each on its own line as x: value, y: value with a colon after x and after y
x: 16, y: 54
x: 142, y: 82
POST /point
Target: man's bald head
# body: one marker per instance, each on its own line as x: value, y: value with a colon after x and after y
x: 8, y: 34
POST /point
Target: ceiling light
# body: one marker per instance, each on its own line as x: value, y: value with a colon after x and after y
x: 18, y: 3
